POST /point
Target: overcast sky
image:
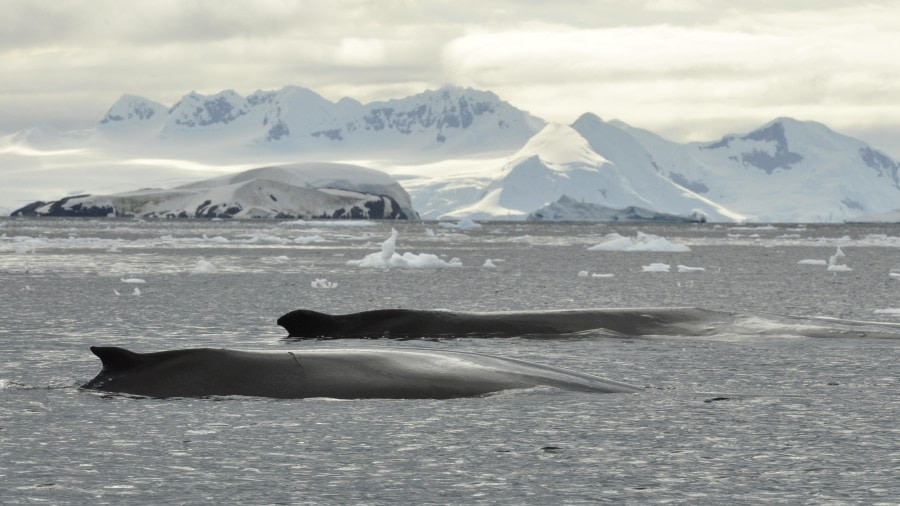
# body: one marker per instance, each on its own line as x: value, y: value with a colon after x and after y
x: 688, y: 69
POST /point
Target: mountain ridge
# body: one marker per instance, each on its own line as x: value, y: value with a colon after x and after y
x: 784, y: 170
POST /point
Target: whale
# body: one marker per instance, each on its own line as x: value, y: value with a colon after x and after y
x: 374, y: 373
x: 416, y: 323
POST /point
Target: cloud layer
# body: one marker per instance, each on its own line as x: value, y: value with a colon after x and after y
x: 689, y: 69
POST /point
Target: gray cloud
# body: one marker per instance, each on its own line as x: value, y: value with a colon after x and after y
x: 688, y: 68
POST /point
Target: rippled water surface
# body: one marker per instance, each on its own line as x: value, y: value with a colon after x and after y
x: 722, y: 419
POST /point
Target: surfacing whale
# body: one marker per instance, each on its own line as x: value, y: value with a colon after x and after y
x: 415, y: 323
x: 574, y: 323
x: 397, y: 373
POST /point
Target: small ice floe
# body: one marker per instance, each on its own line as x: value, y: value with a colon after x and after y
x: 894, y: 275
x: 893, y: 311
x: 813, y: 261
x: 215, y: 240
x: 116, y: 292
x: 429, y: 232
x: 137, y: 291
x: 132, y: 280
x: 685, y: 268
x: 834, y: 266
x: 323, y: 283
x: 388, y: 257
x: 462, y: 224
x: 28, y: 288
x: 489, y: 264
x: 837, y: 255
x: 281, y: 257
x: 203, y: 266
x: 656, y: 267
x: 22, y: 249
x: 585, y: 274
x: 641, y: 242
x: 309, y: 239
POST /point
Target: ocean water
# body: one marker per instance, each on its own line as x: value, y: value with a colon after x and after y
x: 721, y: 419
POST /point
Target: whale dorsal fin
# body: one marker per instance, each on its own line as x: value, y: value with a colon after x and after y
x: 117, y: 359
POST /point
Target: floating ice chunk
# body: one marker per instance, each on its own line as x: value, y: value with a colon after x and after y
x: 323, y: 283
x: 328, y: 223
x: 309, y: 239
x: 583, y: 274
x: 461, y: 224
x: 116, y: 292
x: 599, y: 275
x: 215, y: 240
x: 891, y: 311
x: 488, y: 264
x: 260, y: 239
x: 429, y: 232
x: 137, y: 291
x: 813, y: 261
x: 656, y: 267
x: 894, y: 275
x: 388, y: 257
x: 837, y: 254
x: 685, y: 268
x: 834, y: 266
x: 132, y: 280
x: 21, y: 249
x: 203, y: 266
x: 641, y: 242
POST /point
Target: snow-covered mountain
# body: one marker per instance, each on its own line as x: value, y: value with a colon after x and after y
x: 297, y: 120
x: 590, y: 161
x: 461, y: 153
x: 303, y: 190
x: 786, y: 170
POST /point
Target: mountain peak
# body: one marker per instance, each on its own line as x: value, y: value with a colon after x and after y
x: 587, y: 118
x: 133, y: 108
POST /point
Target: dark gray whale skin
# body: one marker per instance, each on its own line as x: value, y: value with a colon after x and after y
x: 396, y: 373
x: 414, y: 323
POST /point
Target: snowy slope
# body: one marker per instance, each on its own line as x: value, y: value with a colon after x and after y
x: 589, y: 161
x: 786, y: 170
x: 567, y: 209
x: 304, y: 190
x: 887, y: 217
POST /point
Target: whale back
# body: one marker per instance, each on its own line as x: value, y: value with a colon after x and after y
x: 344, y: 374
x: 415, y: 323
